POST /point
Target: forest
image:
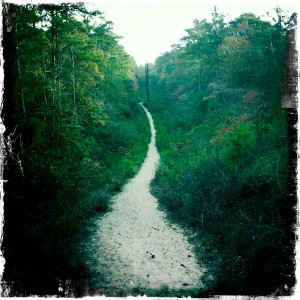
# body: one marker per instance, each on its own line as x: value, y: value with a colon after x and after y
x: 75, y: 133
x: 226, y: 147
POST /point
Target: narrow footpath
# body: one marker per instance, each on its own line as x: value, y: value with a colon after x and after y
x: 135, y: 246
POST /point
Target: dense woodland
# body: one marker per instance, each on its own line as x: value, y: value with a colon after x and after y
x: 75, y: 133
x: 226, y: 148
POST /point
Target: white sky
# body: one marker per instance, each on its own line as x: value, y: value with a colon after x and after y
x: 150, y: 27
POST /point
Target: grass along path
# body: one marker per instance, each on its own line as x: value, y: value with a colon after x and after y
x: 134, y: 247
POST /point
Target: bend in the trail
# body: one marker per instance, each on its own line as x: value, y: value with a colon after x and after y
x: 134, y: 246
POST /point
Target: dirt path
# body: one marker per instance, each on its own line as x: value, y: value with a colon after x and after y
x: 135, y: 246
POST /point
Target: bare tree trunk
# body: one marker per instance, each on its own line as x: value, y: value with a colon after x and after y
x: 54, y: 80
x: 59, y: 70
x: 20, y: 76
x: 22, y: 90
x: 46, y: 102
x: 73, y: 84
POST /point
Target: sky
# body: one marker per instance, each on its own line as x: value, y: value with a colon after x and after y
x: 150, y: 27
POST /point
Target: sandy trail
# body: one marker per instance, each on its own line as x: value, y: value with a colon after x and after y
x: 134, y: 245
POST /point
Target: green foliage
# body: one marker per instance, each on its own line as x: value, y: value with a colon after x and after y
x: 71, y: 94
x: 71, y: 103
x: 129, y: 165
x: 222, y: 137
x: 237, y: 143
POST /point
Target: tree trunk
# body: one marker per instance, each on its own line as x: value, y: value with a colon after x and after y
x: 20, y: 76
x: 73, y: 84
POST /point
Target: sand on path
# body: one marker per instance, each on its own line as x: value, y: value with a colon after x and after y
x: 134, y: 245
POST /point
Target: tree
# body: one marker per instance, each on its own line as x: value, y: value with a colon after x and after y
x: 65, y: 102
